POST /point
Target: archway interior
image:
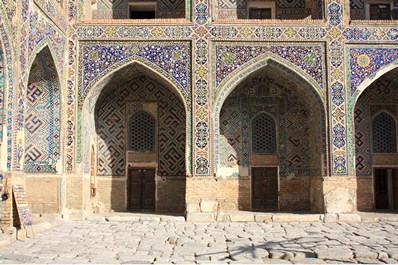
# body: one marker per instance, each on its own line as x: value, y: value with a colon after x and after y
x: 298, y: 146
x: 127, y: 9
x: 277, y: 9
x: 375, y: 118
x: 42, y: 116
x: 131, y: 91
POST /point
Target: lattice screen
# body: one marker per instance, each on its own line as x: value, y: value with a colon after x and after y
x: 264, y: 134
x: 384, y: 134
x: 142, y: 132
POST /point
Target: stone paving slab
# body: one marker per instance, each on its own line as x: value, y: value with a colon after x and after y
x: 157, y: 241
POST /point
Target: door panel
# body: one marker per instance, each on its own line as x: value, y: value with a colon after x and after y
x: 141, y: 189
x: 134, y: 189
x: 381, y: 188
x: 264, y: 188
x: 148, y: 189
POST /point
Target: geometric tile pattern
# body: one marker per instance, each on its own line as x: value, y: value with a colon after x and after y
x: 171, y: 59
x: 260, y: 95
x: 112, y: 122
x: 307, y: 58
x: 2, y: 88
x: 364, y: 62
x: 382, y: 95
x: 42, y: 116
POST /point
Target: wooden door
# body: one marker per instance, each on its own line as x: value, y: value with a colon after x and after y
x: 141, y: 189
x: 148, y: 189
x: 381, y: 188
x: 264, y: 188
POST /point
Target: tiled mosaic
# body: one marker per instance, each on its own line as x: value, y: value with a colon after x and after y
x: 339, y: 74
x: 42, y: 116
x: 113, y: 114
x: 382, y: 95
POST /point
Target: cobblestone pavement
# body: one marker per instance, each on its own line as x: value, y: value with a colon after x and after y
x: 181, y: 242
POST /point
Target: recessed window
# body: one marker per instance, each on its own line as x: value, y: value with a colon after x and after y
x: 260, y: 13
x: 142, y: 10
x: 261, y: 10
x: 379, y: 11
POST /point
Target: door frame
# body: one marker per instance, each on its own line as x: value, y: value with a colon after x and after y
x: 391, y: 203
x: 137, y: 167
x: 251, y: 184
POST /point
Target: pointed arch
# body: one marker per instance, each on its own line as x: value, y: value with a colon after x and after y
x: 228, y: 85
x: 42, y: 45
x: 249, y: 68
x: 156, y: 72
x: 88, y: 100
x: 42, y: 115
x: 370, y: 80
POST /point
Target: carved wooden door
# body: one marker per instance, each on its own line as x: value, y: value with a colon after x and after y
x: 141, y: 189
x: 264, y: 188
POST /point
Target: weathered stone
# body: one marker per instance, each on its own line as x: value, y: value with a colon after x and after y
x: 340, y: 200
x: 389, y: 261
x: 392, y: 253
x: 280, y: 217
x: 223, y: 217
x: 241, y: 216
x: 330, y: 218
x: 263, y: 217
x: 334, y: 253
x: 117, y: 218
x: 349, y: 218
x: 307, y: 261
x: 208, y: 206
x: 200, y: 217
x: 193, y: 208
x: 369, y: 261
x: 228, y: 206
x: 365, y: 254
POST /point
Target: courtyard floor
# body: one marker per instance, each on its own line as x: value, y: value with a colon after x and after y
x: 162, y: 242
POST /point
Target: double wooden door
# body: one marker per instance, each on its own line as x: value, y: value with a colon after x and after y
x: 264, y: 188
x: 141, y: 189
x: 385, y: 188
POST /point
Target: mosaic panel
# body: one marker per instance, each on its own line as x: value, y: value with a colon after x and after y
x: 42, y: 116
x: 267, y: 95
x: 172, y: 60
x: 382, y: 95
x: 2, y: 91
x: 8, y: 72
x: 112, y: 127
x: 54, y: 12
x: 230, y: 58
x: 365, y: 62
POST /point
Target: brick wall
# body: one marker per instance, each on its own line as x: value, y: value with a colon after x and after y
x: 42, y: 193
x: 112, y: 192
x: 170, y: 194
x: 365, y: 201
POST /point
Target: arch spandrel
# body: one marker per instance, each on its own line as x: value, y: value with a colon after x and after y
x: 367, y: 64
x: 172, y: 61
x: 235, y: 78
x: 236, y: 62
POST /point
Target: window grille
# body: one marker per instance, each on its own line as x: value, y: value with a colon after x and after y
x: 142, y: 132
x: 384, y: 134
x: 264, y: 134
